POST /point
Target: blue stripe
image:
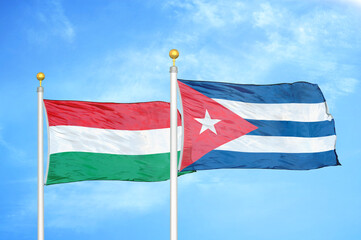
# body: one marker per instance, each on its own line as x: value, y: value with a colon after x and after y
x: 299, y: 92
x: 293, y: 129
x: 292, y: 161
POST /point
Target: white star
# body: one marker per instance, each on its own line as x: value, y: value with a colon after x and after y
x: 207, y: 123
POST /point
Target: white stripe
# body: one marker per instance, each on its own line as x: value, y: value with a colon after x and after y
x: 96, y: 140
x: 254, y: 143
x: 299, y: 112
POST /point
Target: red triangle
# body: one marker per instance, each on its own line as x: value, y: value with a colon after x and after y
x: 197, y: 144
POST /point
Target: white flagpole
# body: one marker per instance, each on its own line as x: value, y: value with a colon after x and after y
x: 173, y: 148
x: 40, y: 76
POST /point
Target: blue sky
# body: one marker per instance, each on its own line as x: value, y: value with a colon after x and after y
x: 118, y: 51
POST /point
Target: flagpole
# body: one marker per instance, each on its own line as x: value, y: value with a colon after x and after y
x: 173, y: 148
x: 40, y: 76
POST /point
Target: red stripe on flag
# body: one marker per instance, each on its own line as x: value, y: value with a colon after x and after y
x: 120, y: 116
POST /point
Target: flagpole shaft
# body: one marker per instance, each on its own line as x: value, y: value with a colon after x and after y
x: 40, y: 91
x: 173, y: 155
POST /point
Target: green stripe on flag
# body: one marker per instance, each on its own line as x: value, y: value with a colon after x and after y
x: 81, y: 166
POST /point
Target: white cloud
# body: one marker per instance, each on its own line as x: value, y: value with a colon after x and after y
x: 267, y: 15
x: 352, y: 2
x: 314, y: 44
x: 224, y: 186
x: 210, y: 14
x: 135, y: 75
x: 338, y: 87
x: 85, y: 204
x: 14, y: 152
x: 82, y: 206
x: 348, y: 85
x: 52, y: 22
x: 306, y: 41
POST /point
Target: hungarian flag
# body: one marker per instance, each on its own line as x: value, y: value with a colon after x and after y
x: 280, y: 126
x: 108, y: 141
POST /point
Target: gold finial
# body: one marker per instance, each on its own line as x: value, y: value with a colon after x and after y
x: 40, y: 76
x: 173, y: 54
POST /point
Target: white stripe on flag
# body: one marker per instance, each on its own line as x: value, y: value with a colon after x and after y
x: 299, y: 112
x: 97, y: 140
x: 264, y: 144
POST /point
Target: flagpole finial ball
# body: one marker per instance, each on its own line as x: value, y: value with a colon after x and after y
x: 173, y: 53
x: 40, y: 76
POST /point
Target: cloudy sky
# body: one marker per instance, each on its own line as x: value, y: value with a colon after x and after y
x: 118, y: 51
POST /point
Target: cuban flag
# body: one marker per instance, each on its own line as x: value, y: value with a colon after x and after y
x: 279, y: 126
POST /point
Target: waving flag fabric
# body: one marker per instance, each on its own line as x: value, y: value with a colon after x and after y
x: 108, y: 141
x: 281, y: 126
